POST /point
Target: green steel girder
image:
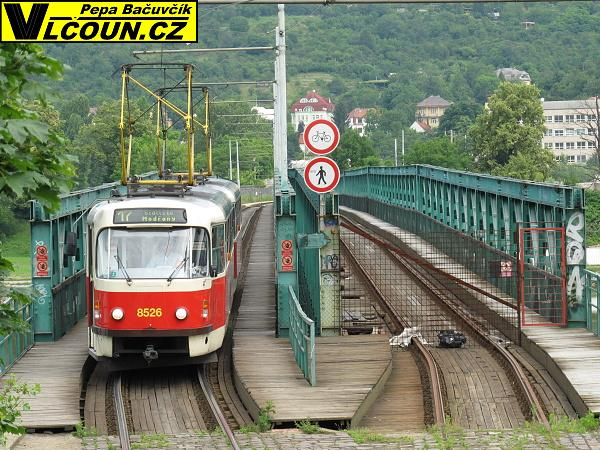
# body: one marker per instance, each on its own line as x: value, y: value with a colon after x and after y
x: 285, y: 246
x: 58, y: 280
x: 315, y: 240
x: 487, y: 208
x: 317, y: 229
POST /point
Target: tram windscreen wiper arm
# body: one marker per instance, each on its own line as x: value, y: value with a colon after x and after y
x: 178, y: 268
x: 122, y: 267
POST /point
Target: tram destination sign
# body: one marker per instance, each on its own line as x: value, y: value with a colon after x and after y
x: 149, y: 215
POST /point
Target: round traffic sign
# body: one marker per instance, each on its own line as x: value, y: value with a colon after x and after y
x: 322, y: 174
x: 321, y: 136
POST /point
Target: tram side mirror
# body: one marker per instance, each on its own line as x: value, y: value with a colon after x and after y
x: 71, y: 244
x: 213, y: 271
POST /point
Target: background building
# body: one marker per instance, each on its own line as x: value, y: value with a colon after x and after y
x: 513, y: 75
x: 570, y: 128
x: 311, y: 107
x: 431, y: 110
x: 357, y: 120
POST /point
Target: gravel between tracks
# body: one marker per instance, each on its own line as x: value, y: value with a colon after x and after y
x: 294, y: 439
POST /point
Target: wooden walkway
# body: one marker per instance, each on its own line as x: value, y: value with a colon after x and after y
x: 56, y: 367
x: 349, y: 368
x: 400, y: 405
x: 571, y: 355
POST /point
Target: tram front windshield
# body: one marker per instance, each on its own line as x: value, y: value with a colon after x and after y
x: 167, y: 253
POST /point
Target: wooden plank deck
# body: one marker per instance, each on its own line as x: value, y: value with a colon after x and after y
x: 571, y: 355
x: 56, y: 367
x: 400, y: 405
x: 349, y: 368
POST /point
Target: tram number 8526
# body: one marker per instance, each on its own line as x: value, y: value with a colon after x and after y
x: 149, y: 312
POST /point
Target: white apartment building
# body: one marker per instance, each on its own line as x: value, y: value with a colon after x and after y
x: 309, y: 108
x: 568, y: 130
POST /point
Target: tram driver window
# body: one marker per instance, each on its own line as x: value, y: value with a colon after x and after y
x: 200, y: 253
x: 218, y: 247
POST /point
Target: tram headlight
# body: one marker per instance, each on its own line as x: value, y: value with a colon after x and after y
x: 97, y: 315
x: 205, y: 309
x: 181, y: 313
x: 117, y: 314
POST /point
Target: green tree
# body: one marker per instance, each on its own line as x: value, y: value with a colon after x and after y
x: 97, y: 144
x: 509, y: 133
x: 33, y: 164
x: 439, y: 152
x: 534, y: 165
x: 355, y: 151
x: 459, y: 117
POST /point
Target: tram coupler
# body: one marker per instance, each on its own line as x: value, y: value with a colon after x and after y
x: 150, y: 354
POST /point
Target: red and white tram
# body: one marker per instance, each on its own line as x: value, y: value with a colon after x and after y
x: 162, y: 269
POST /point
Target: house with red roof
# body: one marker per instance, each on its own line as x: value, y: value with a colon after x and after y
x: 420, y: 127
x: 357, y: 119
x: 309, y: 108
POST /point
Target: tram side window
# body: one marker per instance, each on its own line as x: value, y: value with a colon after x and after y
x: 218, y: 247
x: 230, y: 232
x: 200, y: 253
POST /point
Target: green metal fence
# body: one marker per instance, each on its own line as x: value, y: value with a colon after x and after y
x: 485, y: 208
x: 302, y: 338
x: 592, y: 293
x: 13, y: 346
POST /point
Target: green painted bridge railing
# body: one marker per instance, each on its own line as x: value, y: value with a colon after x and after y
x: 14, y: 345
x: 485, y: 208
x: 302, y: 338
x: 592, y: 293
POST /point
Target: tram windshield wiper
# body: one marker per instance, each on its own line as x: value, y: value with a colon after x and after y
x: 122, y: 267
x: 178, y: 268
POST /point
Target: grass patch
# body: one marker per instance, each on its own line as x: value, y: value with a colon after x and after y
x: 593, y: 268
x: 308, y: 427
x: 256, y: 198
x: 81, y: 431
x: 151, y: 441
x: 263, y: 423
x: 448, y: 436
x: 366, y: 436
x: 17, y: 249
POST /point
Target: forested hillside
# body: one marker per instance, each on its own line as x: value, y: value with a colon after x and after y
x: 430, y: 49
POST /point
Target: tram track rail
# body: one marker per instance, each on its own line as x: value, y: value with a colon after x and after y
x: 121, y: 419
x: 529, y: 401
x: 203, y: 378
x: 397, y: 324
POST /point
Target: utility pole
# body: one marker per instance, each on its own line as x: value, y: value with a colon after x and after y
x: 237, y: 157
x: 403, y: 146
x: 230, y: 164
x: 280, y: 95
x: 395, y: 151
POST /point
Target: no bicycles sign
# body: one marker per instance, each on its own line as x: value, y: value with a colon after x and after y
x: 321, y: 136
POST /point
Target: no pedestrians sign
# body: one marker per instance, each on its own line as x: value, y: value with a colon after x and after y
x: 322, y: 175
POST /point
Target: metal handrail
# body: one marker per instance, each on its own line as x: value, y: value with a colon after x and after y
x: 15, y: 345
x: 302, y: 338
x: 591, y: 287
